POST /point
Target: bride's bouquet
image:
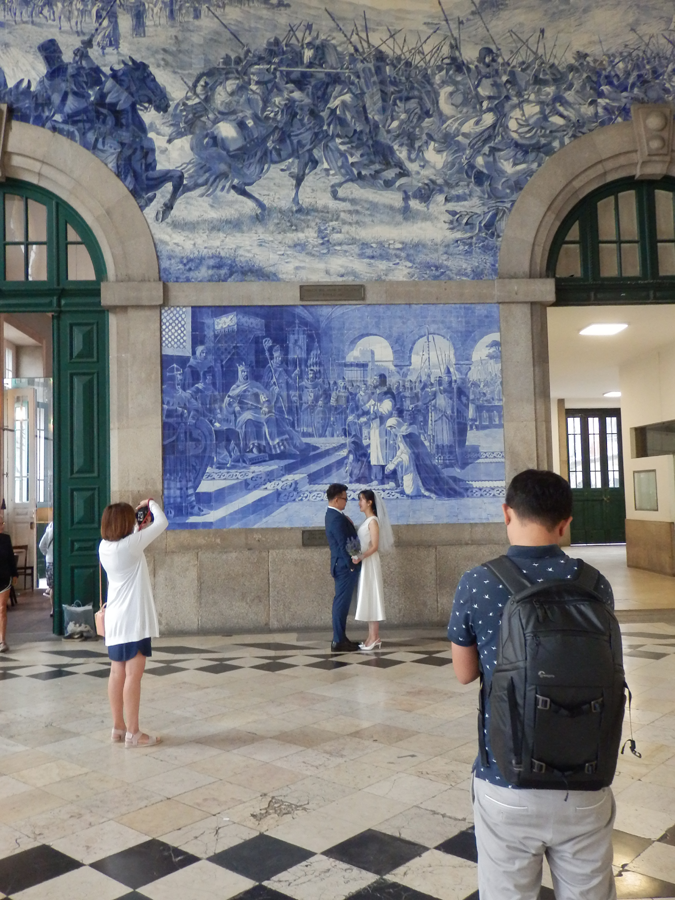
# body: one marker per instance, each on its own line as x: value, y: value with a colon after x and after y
x: 353, y: 547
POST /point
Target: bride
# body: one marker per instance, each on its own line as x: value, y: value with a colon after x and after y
x: 375, y: 535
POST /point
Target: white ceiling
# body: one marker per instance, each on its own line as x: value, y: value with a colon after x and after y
x: 584, y: 367
x: 18, y: 338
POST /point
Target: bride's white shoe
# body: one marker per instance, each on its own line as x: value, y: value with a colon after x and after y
x: 374, y: 646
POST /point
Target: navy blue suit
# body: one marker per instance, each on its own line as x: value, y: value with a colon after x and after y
x: 338, y: 531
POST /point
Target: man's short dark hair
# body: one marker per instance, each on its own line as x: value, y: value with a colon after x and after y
x: 334, y: 490
x: 540, y: 496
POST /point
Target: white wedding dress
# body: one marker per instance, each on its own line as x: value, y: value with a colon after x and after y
x: 370, y: 597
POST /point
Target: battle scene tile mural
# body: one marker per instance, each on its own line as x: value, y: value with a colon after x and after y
x: 263, y: 407
x: 296, y: 140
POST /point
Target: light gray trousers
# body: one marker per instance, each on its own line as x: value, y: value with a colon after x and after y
x: 515, y: 829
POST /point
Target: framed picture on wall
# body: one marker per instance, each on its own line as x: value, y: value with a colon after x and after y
x: 644, y: 486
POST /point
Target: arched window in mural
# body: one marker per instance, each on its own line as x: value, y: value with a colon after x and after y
x: 44, y: 242
x: 618, y: 246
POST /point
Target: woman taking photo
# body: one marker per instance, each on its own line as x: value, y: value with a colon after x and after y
x: 376, y: 535
x: 8, y: 576
x: 130, y: 615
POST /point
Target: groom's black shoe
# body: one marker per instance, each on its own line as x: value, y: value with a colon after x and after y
x: 345, y: 646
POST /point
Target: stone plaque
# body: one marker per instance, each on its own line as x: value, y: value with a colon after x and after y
x: 314, y: 537
x: 332, y: 293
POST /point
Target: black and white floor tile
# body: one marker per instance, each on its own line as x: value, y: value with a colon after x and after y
x: 285, y: 772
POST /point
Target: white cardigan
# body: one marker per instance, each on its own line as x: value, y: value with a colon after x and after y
x: 130, y: 613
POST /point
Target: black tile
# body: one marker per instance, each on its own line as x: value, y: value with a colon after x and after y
x: 328, y: 664
x: 5, y: 676
x: 98, y: 673
x: 668, y: 837
x: 144, y: 863
x: 79, y: 654
x: 182, y: 651
x: 218, y: 668
x: 163, y: 670
x: 30, y: 867
x: 462, y: 845
x: 381, y: 662
x: 259, y: 892
x: 544, y: 894
x: 375, y: 851
x: 7, y: 659
x: 261, y: 858
x: 476, y: 896
x: 632, y: 885
x: 388, y: 890
x: 133, y: 895
x: 627, y: 847
x: 53, y: 673
x: 273, y: 666
x: 273, y: 647
x: 645, y: 654
x: 433, y: 660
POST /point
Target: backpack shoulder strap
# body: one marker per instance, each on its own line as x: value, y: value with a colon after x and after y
x: 509, y: 573
x: 588, y: 577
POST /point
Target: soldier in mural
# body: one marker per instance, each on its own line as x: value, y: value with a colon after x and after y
x: 417, y: 472
x: 380, y: 408
x: 188, y: 446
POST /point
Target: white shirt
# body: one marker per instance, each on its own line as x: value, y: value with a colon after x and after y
x: 130, y: 613
x: 46, y: 544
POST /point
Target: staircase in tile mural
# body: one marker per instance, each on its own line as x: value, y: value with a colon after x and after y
x: 236, y: 498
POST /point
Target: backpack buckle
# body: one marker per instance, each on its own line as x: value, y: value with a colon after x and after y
x: 596, y: 706
x: 543, y: 702
x: 591, y: 768
x: 538, y: 767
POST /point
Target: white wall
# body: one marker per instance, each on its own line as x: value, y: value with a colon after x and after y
x: 30, y: 364
x: 647, y: 397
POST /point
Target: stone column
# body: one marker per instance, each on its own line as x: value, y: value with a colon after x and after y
x: 527, y: 395
x: 135, y: 404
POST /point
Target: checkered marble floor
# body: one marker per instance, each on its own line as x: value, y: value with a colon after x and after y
x: 285, y: 772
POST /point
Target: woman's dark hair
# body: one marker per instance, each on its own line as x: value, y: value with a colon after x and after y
x: 539, y: 496
x: 334, y: 490
x: 368, y: 495
x: 118, y: 521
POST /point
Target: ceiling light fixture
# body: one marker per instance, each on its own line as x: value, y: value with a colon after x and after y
x: 603, y: 328
x: 612, y: 394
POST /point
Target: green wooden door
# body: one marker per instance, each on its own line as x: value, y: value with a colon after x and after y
x: 81, y: 439
x: 596, y: 476
x: 51, y: 263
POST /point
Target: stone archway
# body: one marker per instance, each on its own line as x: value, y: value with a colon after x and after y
x: 37, y: 156
x: 642, y: 148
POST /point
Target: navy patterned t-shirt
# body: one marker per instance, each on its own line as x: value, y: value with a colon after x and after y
x: 477, y: 611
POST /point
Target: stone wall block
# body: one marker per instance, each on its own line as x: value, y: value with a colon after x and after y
x: 301, y: 589
x: 409, y: 576
x: 233, y: 591
x: 452, y: 562
x: 177, y: 592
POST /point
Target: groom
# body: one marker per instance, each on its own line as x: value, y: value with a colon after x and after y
x: 339, y: 529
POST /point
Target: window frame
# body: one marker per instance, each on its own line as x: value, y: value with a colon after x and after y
x: 591, y: 287
x: 57, y: 291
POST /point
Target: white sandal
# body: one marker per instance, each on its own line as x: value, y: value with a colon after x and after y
x: 118, y: 735
x: 134, y: 740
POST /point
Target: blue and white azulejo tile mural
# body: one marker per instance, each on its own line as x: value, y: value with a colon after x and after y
x: 263, y: 407
x: 297, y: 140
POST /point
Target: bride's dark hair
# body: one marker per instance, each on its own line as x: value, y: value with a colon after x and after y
x: 368, y: 495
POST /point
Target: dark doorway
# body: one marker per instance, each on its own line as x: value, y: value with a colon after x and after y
x: 596, y: 475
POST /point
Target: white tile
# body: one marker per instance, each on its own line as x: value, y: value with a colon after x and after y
x: 99, y: 841
x: 320, y: 878
x: 438, y: 874
x: 81, y: 884
x: 657, y: 861
x: 209, y: 836
x: 200, y: 881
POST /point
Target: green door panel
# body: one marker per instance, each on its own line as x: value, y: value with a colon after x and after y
x: 81, y: 439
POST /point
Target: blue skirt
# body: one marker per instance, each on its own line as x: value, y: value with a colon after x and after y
x: 125, y: 652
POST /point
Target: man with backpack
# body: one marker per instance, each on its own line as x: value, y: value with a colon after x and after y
x: 537, y: 628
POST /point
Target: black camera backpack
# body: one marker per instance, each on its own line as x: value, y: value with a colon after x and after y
x: 557, y: 695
